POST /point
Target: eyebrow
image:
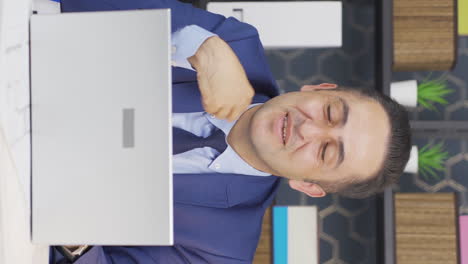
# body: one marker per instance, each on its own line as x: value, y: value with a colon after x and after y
x: 345, y: 111
x: 340, y: 153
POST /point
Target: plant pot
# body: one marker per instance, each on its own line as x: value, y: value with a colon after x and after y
x: 405, y: 92
x: 412, y: 165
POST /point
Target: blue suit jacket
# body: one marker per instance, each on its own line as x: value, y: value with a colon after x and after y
x: 217, y: 217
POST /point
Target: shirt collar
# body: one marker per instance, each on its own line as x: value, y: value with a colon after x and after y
x: 229, y: 161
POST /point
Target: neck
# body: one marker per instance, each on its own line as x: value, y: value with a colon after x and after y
x: 240, y: 140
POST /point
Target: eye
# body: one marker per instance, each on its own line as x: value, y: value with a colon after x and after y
x: 324, y: 151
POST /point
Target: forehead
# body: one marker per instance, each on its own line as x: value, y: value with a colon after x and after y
x: 365, y: 135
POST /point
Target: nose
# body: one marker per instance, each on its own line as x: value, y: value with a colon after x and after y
x: 309, y: 129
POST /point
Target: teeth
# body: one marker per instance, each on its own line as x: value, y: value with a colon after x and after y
x: 285, y: 125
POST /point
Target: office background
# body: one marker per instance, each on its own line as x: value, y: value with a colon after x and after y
x: 348, y: 226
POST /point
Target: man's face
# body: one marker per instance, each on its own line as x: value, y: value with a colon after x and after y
x: 324, y: 136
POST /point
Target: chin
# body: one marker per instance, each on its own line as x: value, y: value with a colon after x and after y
x: 257, y: 139
x: 260, y: 132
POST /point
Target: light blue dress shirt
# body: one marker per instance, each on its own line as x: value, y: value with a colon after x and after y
x: 185, y: 43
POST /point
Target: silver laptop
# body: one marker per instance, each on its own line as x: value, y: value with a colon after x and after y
x: 101, y: 128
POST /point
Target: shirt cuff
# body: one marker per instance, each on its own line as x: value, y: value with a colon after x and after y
x: 185, y: 43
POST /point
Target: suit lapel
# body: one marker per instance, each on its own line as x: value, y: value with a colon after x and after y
x: 206, y: 189
x: 222, y: 190
x: 186, y: 98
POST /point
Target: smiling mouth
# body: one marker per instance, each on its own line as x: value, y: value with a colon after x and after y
x: 285, y: 126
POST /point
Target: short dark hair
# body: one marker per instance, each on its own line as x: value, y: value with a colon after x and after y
x: 397, y: 153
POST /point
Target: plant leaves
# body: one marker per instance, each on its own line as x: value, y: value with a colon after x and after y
x: 431, y: 159
x: 433, y: 91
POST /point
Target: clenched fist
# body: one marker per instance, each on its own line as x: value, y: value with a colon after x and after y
x: 225, y: 89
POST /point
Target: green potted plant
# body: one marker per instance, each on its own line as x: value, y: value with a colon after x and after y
x: 426, y: 93
x: 427, y: 160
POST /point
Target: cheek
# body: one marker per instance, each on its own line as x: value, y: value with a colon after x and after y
x: 259, y: 124
x: 312, y: 110
x: 306, y: 157
x: 263, y: 131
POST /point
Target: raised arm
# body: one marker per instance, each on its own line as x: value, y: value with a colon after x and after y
x: 226, y: 91
x: 222, y: 81
x: 241, y: 37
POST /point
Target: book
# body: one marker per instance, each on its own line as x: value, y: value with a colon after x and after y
x: 463, y: 17
x: 295, y: 235
x: 463, y: 222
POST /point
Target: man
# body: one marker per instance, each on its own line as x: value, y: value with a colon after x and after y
x: 323, y: 139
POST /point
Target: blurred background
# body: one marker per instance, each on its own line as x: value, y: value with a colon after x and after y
x: 349, y: 226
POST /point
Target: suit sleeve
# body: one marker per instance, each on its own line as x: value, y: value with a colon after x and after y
x: 151, y: 255
x: 182, y: 15
x: 185, y: 43
x: 242, y: 37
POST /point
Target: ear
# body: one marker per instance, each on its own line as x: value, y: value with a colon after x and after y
x: 318, y: 87
x: 311, y: 189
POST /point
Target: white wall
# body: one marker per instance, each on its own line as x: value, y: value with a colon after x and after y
x: 15, y: 245
x: 14, y: 84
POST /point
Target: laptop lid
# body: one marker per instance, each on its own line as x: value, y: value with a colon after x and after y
x: 101, y: 128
